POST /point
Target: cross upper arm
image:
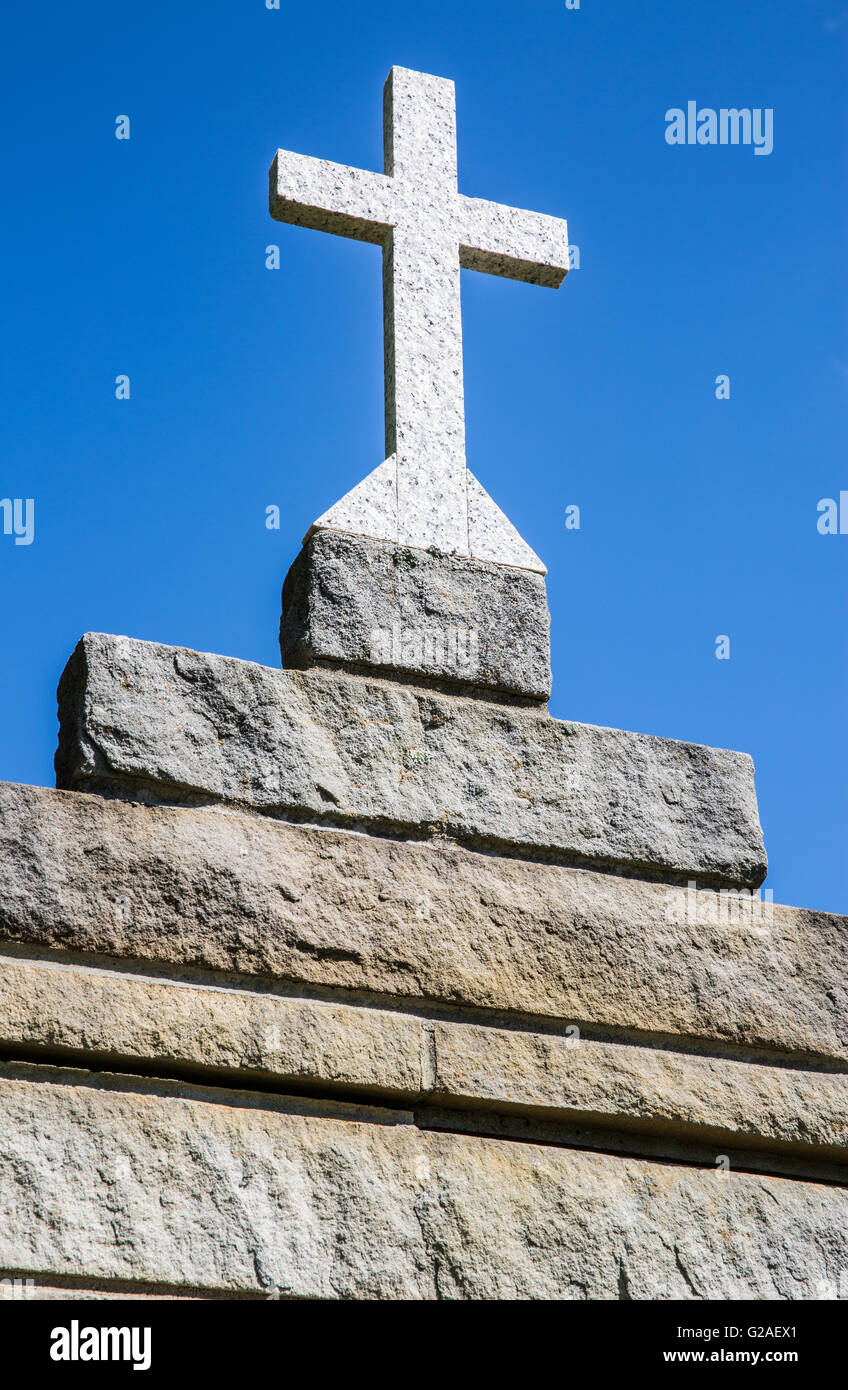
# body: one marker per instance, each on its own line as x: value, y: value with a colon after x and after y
x: 507, y: 241
x: 330, y: 197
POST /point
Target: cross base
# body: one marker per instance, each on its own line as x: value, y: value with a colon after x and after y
x: 371, y: 509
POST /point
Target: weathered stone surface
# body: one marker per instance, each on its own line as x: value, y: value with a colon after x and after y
x: 118, y: 1018
x: 105, y: 1014
x: 324, y: 744
x: 423, y: 495
x: 176, y: 1185
x: 648, y: 1087
x: 228, y: 891
x: 247, y: 1194
x: 360, y: 602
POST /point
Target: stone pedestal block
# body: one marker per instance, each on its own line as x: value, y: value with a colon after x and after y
x: 146, y: 720
x: 360, y: 603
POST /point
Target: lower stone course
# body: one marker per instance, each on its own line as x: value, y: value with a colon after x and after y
x: 118, y: 1019
x: 233, y: 892
x: 172, y: 1184
x: 170, y: 976
x: 108, y: 1014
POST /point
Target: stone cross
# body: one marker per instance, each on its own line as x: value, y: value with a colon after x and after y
x: 423, y: 494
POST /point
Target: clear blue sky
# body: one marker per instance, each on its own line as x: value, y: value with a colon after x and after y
x: 251, y: 387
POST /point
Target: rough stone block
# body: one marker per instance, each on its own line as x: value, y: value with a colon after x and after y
x: 115, y: 1015
x: 139, y: 718
x: 227, y: 891
x: 645, y: 1088
x: 361, y: 603
x: 138, y: 1180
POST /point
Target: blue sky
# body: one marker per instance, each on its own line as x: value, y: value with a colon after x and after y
x: 252, y: 387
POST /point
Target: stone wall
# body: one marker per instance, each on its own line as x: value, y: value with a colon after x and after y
x: 314, y: 984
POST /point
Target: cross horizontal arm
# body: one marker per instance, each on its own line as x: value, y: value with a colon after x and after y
x: 330, y: 197
x: 508, y: 241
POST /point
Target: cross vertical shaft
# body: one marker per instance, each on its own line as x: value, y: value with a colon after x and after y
x: 425, y: 410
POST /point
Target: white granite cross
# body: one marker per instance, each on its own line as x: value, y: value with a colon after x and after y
x: 422, y: 494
